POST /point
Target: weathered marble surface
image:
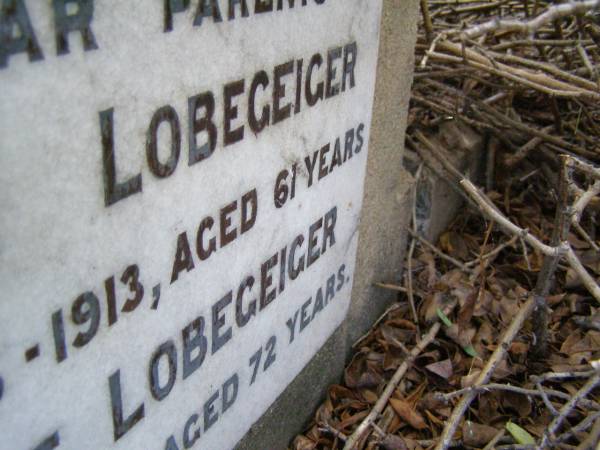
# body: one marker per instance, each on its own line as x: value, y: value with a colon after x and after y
x: 105, y: 186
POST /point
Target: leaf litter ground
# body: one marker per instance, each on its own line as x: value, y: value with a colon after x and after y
x: 484, y: 302
x: 531, y: 97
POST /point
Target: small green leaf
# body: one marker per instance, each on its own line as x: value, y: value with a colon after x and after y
x: 521, y: 436
x: 470, y: 350
x: 443, y: 317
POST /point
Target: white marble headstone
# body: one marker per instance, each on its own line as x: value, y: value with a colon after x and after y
x: 181, y: 184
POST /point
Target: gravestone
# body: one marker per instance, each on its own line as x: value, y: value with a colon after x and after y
x: 181, y: 188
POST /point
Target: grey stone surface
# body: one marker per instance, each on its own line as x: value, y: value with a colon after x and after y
x: 386, y: 209
x: 463, y: 147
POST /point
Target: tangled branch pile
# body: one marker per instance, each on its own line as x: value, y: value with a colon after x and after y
x: 509, y: 298
x: 535, y: 93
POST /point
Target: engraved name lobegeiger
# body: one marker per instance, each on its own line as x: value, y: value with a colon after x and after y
x: 283, y: 92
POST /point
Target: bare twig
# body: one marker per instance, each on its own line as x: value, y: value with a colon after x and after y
x: 391, y: 287
x: 395, y: 287
x: 409, y: 281
x: 586, y: 61
x: 390, y: 308
x: 580, y: 427
x: 427, y: 19
x: 491, y: 445
x: 492, y: 212
x: 551, y: 14
x: 512, y: 160
x: 545, y: 399
x: 567, y: 408
x: 545, y: 278
x: 363, y: 427
x: 493, y: 387
x: 582, y: 273
x: 438, y: 252
x: 546, y: 67
x: 585, y: 236
x: 592, y: 439
x: 553, y: 376
x: 539, y: 42
x: 486, y: 373
x: 515, y: 447
x: 324, y: 426
x: 584, y: 167
x: 434, y: 42
x: 516, y: 389
x: 563, y: 250
x: 584, y: 200
x: 427, y: 443
x: 494, y: 252
x: 541, y: 83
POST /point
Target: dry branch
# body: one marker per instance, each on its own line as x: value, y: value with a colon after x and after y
x: 563, y: 250
x: 530, y: 87
x: 364, y: 426
x: 582, y: 273
x: 581, y: 427
x: 517, y: 390
x: 494, y: 252
x: 592, y: 439
x: 426, y: 19
x: 528, y: 27
x: 567, y: 408
x: 492, y: 212
x: 553, y: 376
x: 538, y: 81
x: 438, y: 252
x: 584, y: 167
x: 487, y: 372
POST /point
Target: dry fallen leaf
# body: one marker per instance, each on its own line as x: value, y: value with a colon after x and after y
x: 467, y: 308
x: 430, y: 401
x: 408, y: 414
x: 455, y: 245
x: 490, y: 294
x: 477, y: 435
x: 303, y: 443
x: 392, y: 442
x: 520, y: 403
x: 441, y: 368
x: 462, y: 336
